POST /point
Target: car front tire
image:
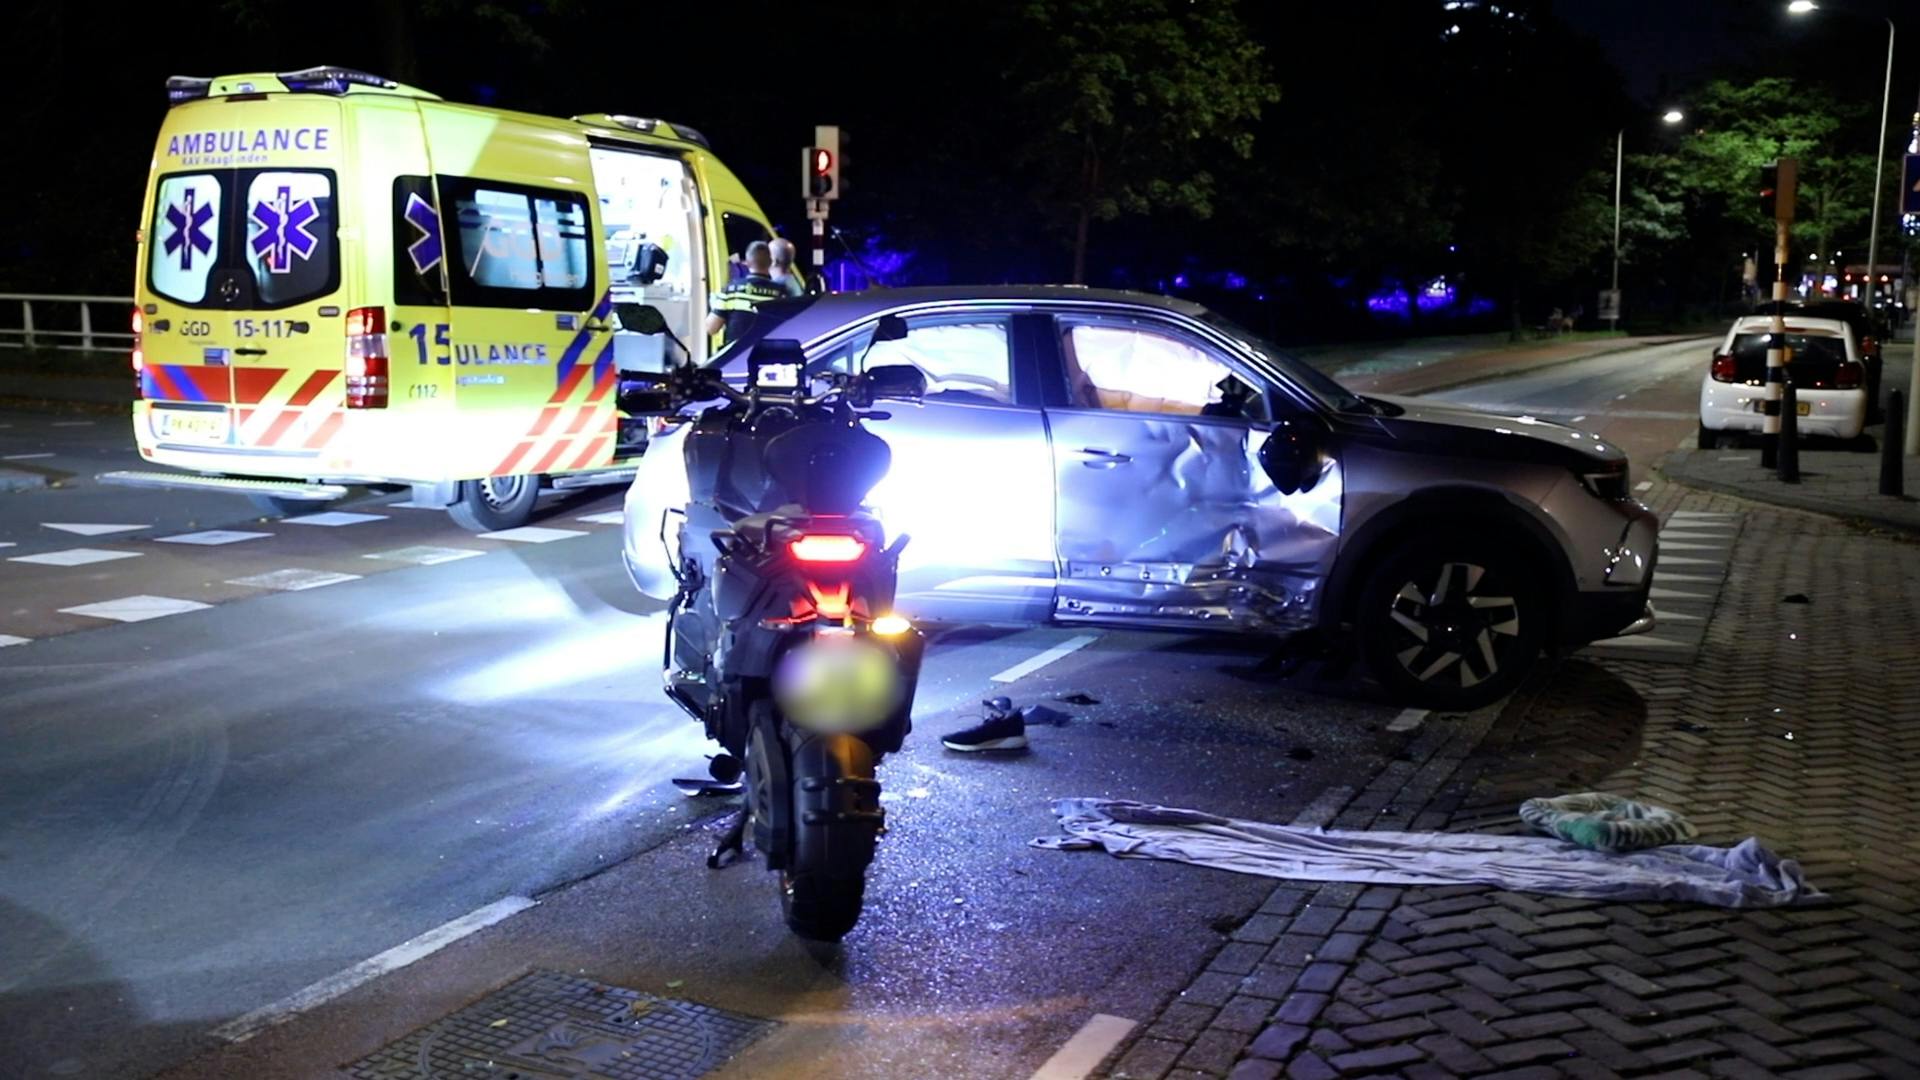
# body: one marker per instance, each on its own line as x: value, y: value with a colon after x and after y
x: 1451, y: 622
x: 1708, y: 438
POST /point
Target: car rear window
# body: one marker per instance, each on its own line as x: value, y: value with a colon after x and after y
x: 1810, y: 348
x: 244, y: 238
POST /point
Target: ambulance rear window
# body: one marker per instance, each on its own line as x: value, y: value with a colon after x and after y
x: 251, y: 239
x: 518, y: 246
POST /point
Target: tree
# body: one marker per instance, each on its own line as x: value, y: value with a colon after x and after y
x: 1136, y: 99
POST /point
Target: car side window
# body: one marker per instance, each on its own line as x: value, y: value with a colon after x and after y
x: 965, y: 358
x: 1130, y: 366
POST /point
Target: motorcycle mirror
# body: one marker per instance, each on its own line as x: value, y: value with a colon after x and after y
x: 638, y: 395
x: 890, y: 328
x: 640, y: 318
x: 1291, y: 456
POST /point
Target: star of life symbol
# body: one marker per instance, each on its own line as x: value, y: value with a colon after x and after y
x: 425, y: 250
x: 189, y: 221
x: 283, y: 222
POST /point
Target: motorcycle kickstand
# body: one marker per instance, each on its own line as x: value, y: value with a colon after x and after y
x: 733, y: 840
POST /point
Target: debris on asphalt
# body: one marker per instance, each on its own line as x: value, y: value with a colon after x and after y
x: 1078, y: 697
x: 1300, y: 753
x: 1747, y: 875
x: 1795, y: 598
x: 1601, y: 822
x: 1040, y: 714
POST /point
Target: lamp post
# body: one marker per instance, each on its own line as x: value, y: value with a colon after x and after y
x: 1808, y: 7
x: 1671, y: 116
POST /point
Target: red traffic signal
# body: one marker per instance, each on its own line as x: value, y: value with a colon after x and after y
x: 822, y: 161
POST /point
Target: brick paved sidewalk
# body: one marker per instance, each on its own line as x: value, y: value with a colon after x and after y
x: 1797, y: 723
x: 1845, y: 483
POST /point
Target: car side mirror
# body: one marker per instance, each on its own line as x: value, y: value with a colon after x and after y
x: 902, y: 382
x: 643, y: 395
x: 640, y: 318
x: 1292, y: 456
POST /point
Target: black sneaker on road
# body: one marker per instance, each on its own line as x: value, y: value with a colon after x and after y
x: 1001, y: 730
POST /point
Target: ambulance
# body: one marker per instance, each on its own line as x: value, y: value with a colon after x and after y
x: 346, y: 281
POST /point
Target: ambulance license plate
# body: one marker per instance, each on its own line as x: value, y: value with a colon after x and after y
x: 194, y: 425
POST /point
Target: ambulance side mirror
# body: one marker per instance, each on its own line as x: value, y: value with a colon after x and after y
x: 640, y: 318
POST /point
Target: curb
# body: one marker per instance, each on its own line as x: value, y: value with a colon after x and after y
x: 1767, y: 498
x: 1450, y: 384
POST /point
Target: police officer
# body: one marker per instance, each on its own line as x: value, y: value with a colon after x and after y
x: 733, y: 307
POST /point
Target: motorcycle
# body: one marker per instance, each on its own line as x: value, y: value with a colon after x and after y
x: 781, y: 638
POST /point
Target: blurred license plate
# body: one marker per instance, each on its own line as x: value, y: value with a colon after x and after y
x: 1803, y: 408
x: 196, y: 425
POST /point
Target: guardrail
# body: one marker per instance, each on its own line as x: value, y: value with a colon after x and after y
x: 65, y: 322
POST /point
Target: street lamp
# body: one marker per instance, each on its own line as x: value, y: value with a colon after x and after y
x: 1671, y: 116
x: 1808, y: 7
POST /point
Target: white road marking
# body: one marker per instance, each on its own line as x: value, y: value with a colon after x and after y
x: 1674, y: 616
x: 1734, y: 457
x: 71, y: 423
x: 1681, y: 560
x: 1577, y: 419
x: 213, y: 537
x: 532, y: 534
x: 1086, y: 1049
x: 136, y: 608
x: 1664, y: 576
x: 1689, y: 546
x: 93, y: 530
x: 409, y: 504
x: 335, y: 518
x: 293, y: 579
x: 1034, y: 663
x: 246, y: 1027
x: 24, y: 457
x: 1642, y: 641
x: 1713, y: 514
x: 74, y: 557
x: 1643, y: 485
x: 7, y: 544
x: 425, y: 554
x: 1407, y: 720
x: 1669, y: 594
x: 611, y: 517
x: 9, y: 639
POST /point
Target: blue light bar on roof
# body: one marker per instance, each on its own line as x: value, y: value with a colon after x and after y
x: 331, y: 80
x: 186, y: 88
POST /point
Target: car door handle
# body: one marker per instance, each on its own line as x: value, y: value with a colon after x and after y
x: 249, y: 352
x: 1102, y: 459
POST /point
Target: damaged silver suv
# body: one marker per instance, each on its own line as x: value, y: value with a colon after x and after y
x: 1113, y: 458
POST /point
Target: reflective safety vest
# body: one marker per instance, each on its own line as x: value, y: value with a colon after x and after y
x: 739, y: 300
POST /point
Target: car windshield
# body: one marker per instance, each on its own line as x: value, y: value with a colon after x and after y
x: 1322, y: 386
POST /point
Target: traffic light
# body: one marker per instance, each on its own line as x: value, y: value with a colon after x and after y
x: 820, y: 170
x: 1777, y: 186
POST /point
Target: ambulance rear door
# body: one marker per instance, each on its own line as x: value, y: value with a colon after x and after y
x: 243, y: 283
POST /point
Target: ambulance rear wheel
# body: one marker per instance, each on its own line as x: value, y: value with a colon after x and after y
x: 493, y: 503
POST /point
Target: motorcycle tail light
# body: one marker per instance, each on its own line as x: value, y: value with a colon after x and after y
x: 827, y: 548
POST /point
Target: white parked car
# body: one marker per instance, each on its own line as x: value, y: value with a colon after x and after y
x: 1829, y: 379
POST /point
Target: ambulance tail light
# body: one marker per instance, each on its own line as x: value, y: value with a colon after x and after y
x: 139, y: 356
x: 367, y: 358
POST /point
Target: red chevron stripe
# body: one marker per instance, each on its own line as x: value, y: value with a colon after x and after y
x: 505, y: 468
x: 251, y: 385
x: 553, y: 455
x: 212, y: 382
x: 566, y: 388
x: 279, y: 427
x: 311, y: 388
x: 547, y: 416
x: 603, y: 384
x: 594, y: 450
x: 580, y: 421
x: 327, y: 430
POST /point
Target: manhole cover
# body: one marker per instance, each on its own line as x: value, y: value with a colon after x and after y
x: 549, y: 1026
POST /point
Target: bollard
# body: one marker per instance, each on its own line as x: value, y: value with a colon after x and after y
x: 1789, y: 455
x: 1891, y: 440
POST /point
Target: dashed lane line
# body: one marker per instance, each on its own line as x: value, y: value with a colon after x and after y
x: 1034, y: 663
x: 334, y: 519
x: 246, y: 1027
x: 293, y: 579
x: 74, y: 557
x: 1088, y: 1047
x: 136, y: 608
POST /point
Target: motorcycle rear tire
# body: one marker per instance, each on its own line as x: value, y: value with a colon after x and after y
x: 822, y: 907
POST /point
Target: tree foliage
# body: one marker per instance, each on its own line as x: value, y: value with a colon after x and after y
x: 1135, y: 99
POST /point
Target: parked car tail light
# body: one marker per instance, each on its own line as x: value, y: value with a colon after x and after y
x: 1723, y: 368
x: 1847, y: 376
x: 827, y: 548
x: 367, y: 358
x: 1869, y: 346
x: 139, y: 356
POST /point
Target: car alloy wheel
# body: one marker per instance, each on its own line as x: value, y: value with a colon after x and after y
x: 1457, y: 627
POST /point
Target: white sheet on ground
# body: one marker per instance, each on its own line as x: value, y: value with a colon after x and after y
x: 1745, y: 875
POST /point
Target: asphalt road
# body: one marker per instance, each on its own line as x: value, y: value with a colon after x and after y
x: 202, y: 813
